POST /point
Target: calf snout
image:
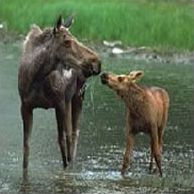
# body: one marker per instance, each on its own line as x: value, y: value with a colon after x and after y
x: 104, y: 77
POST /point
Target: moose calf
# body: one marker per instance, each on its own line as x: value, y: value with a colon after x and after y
x: 147, y: 111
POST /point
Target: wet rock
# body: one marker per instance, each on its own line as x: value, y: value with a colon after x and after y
x: 112, y: 44
x: 116, y: 48
x: 3, y: 27
x: 116, y: 51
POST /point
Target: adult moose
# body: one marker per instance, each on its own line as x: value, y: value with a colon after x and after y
x: 53, y: 70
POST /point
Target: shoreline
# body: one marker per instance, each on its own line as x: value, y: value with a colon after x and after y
x: 118, y: 49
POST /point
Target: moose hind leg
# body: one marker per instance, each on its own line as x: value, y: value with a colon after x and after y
x: 27, y: 117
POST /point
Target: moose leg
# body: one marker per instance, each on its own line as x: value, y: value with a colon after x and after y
x: 128, y: 152
x: 156, y: 149
x: 76, y: 110
x: 64, y: 123
x: 27, y: 118
x: 68, y: 129
x: 60, y: 115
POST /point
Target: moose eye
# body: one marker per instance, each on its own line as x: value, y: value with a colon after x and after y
x: 67, y: 43
x: 120, y: 79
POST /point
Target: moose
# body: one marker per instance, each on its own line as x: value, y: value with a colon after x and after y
x: 53, y: 71
x: 146, y: 111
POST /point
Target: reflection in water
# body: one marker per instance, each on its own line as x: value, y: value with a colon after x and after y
x: 101, y: 145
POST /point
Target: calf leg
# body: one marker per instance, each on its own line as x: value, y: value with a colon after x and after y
x: 27, y: 118
x: 156, y: 149
x: 161, y: 129
x: 128, y: 152
x: 163, y: 125
x: 151, y: 158
x: 160, y: 139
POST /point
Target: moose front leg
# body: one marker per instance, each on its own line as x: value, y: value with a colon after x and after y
x: 68, y: 129
x: 76, y: 110
x: 60, y: 115
x: 64, y: 125
x: 27, y: 118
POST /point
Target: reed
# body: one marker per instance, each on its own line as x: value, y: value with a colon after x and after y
x: 165, y: 24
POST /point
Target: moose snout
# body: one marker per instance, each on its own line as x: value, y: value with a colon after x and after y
x: 96, y: 67
x: 104, y: 77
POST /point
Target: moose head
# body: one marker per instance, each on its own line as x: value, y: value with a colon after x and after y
x: 70, y: 52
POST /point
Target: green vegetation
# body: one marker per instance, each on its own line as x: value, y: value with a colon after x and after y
x: 165, y: 24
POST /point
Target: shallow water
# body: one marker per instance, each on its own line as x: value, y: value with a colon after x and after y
x: 101, y: 145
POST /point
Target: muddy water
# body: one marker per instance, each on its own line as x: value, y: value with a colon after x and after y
x: 101, y: 145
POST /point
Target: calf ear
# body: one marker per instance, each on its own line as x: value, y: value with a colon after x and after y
x: 135, y: 75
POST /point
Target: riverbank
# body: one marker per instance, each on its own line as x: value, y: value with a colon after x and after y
x: 118, y: 49
x: 164, y: 25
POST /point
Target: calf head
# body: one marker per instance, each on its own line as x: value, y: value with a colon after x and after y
x: 121, y: 82
x: 68, y: 51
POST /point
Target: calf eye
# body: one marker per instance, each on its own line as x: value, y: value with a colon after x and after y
x: 120, y: 79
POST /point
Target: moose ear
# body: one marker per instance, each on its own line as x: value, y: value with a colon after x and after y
x: 135, y: 75
x: 68, y: 22
x: 58, y: 24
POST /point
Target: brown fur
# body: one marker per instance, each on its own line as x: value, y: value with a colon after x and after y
x: 147, y: 111
x: 53, y: 70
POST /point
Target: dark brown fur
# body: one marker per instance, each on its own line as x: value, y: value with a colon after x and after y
x: 147, y: 111
x: 53, y: 69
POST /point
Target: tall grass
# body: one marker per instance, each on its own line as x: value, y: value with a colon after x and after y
x: 157, y: 23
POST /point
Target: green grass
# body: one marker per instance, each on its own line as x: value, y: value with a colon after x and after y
x: 166, y: 24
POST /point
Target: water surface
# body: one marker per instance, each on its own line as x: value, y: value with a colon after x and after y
x: 102, y: 142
